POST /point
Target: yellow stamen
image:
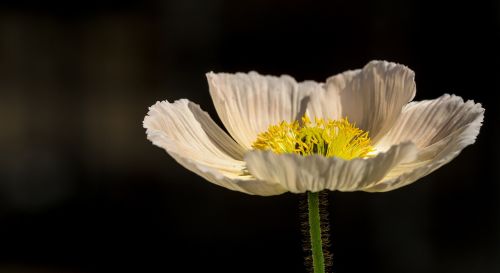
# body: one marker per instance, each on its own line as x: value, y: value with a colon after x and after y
x: 324, y: 137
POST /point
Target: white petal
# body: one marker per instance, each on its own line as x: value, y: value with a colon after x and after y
x: 193, y: 139
x: 242, y: 183
x: 442, y: 128
x: 249, y: 103
x: 315, y: 173
x: 374, y: 96
x: 325, y: 100
x: 426, y: 122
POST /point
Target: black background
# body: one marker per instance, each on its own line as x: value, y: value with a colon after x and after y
x: 82, y: 190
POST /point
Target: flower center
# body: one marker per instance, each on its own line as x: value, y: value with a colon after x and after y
x: 323, y: 137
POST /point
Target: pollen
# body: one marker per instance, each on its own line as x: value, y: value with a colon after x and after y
x: 328, y: 138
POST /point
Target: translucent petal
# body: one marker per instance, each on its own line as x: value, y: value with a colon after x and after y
x: 193, y: 139
x: 314, y: 173
x: 249, y: 103
x: 372, y: 97
x: 441, y: 128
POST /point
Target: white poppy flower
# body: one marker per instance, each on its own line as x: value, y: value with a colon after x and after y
x: 405, y: 141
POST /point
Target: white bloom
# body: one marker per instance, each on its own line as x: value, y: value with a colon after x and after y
x: 410, y: 139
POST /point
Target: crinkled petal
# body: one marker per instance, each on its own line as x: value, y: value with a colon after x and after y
x: 441, y: 128
x: 324, y: 101
x: 314, y: 173
x: 193, y: 139
x: 427, y: 122
x: 249, y: 103
x: 372, y: 97
x: 240, y: 182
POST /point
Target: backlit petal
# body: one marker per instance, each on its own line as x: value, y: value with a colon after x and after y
x: 374, y: 96
x: 314, y: 173
x: 441, y: 128
x: 249, y: 103
x: 193, y: 139
x: 427, y: 122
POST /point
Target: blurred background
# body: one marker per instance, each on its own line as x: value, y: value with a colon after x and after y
x: 83, y: 191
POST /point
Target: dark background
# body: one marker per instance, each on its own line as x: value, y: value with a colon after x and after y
x: 82, y: 190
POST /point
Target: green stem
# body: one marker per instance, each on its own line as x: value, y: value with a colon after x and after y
x: 315, y: 232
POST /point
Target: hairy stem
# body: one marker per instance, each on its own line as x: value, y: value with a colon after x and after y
x: 315, y: 232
